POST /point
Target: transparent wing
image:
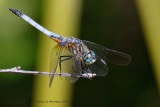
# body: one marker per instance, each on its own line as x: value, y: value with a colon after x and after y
x: 99, y: 67
x: 70, y: 66
x: 54, y: 60
x: 104, y: 55
x: 109, y: 55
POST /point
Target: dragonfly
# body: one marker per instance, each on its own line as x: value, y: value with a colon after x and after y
x: 80, y: 56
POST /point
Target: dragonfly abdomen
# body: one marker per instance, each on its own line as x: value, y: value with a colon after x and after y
x: 52, y: 35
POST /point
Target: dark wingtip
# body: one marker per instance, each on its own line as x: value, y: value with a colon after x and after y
x: 16, y: 12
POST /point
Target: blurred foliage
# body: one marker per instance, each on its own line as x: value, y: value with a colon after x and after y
x: 112, y: 23
x: 150, y: 19
x: 18, y: 44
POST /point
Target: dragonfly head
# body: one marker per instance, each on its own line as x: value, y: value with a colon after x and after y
x: 89, y: 57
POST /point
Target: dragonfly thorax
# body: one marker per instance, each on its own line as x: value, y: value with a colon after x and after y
x: 89, y: 57
x: 70, y: 40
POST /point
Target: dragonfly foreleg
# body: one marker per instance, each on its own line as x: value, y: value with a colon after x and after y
x: 67, y: 58
x: 86, y: 70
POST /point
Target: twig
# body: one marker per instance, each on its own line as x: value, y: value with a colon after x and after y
x: 16, y: 70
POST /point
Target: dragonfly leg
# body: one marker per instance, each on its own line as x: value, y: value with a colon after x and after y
x: 83, y: 69
x: 86, y: 70
x: 78, y: 67
x: 67, y: 58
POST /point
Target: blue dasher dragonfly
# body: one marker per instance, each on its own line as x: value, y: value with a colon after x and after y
x: 80, y: 56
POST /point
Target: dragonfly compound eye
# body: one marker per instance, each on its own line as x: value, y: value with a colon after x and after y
x: 89, y: 57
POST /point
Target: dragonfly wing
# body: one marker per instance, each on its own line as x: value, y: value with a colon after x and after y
x: 104, y: 55
x: 70, y: 65
x: 99, y: 67
x: 54, y: 60
x: 109, y: 55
